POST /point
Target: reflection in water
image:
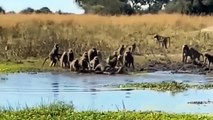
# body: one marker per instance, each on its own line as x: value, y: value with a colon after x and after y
x: 88, y: 92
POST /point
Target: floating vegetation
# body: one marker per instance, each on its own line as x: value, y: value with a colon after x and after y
x: 173, y: 86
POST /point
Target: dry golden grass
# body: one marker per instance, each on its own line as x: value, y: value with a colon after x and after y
x: 36, y: 34
x: 170, y: 19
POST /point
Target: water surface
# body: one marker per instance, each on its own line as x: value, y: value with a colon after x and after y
x: 89, y: 92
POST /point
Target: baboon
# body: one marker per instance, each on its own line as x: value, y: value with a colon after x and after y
x: 112, y: 59
x: 121, y: 50
x: 191, y: 52
x: 64, y: 60
x: 83, y: 62
x: 92, y: 53
x: 74, y: 65
x: 99, y: 55
x: 185, y: 53
x: 210, y: 59
x: 120, y: 60
x: 54, y: 56
x: 194, y: 54
x: 99, y: 68
x: 128, y: 59
x: 70, y: 55
x: 133, y: 47
x: 94, y: 62
x: 85, y: 55
x: 162, y: 40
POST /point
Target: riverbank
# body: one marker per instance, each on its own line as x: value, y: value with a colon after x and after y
x: 64, y: 111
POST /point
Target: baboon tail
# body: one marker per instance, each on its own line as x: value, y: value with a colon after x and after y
x: 45, y: 61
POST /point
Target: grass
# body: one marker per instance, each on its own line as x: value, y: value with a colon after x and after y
x: 34, y: 35
x: 173, y: 86
x: 62, y: 111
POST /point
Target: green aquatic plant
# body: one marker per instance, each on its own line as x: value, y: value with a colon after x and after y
x: 172, y: 86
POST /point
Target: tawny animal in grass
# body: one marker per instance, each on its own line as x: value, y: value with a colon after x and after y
x: 162, y: 40
x: 208, y: 57
x: 54, y: 56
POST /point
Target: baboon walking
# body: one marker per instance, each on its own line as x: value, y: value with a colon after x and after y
x: 54, y: 56
x: 161, y: 40
x: 191, y: 52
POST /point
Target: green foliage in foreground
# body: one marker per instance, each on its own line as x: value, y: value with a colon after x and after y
x: 173, y: 86
x: 61, y: 111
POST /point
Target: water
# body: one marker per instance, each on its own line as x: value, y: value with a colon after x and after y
x: 89, y: 92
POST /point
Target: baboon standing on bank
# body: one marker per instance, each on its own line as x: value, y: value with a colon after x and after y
x: 129, y: 59
x: 64, y: 60
x: 70, y: 55
x: 54, y: 56
x: 185, y: 53
x: 210, y: 59
x: 162, y: 40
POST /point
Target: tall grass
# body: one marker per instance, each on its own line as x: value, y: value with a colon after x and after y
x: 34, y: 35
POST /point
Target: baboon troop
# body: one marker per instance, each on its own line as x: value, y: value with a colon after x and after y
x: 120, y: 61
x: 162, y: 40
x: 92, y: 60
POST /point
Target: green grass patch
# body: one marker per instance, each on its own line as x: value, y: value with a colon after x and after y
x: 173, y: 86
x: 25, y: 66
x: 62, y: 111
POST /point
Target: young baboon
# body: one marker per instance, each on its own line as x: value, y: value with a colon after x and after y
x: 92, y: 53
x: 210, y: 59
x: 64, y: 60
x: 74, y: 65
x: 121, y: 50
x: 129, y: 59
x: 162, y: 40
x: 54, y: 56
x: 94, y: 62
x: 85, y: 55
x: 99, y: 55
x: 70, y: 55
x: 185, y: 53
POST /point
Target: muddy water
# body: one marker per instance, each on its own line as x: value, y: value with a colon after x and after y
x: 89, y: 92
